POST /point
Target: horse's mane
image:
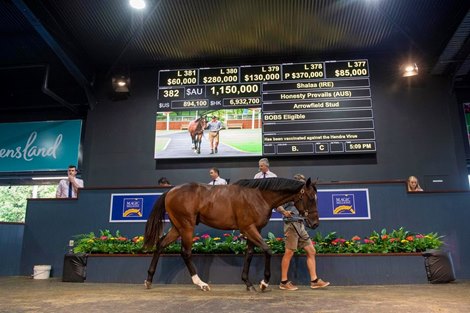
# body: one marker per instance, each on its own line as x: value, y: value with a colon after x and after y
x: 274, y: 184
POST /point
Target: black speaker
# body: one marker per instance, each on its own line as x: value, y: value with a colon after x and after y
x: 439, y: 266
x: 74, y: 268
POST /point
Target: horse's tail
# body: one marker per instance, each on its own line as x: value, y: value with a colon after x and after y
x: 154, y: 226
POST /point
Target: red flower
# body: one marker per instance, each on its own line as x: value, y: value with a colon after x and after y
x: 227, y: 235
x: 356, y: 238
x: 384, y: 237
x: 205, y: 236
x: 196, y: 238
x: 368, y: 240
x: 103, y: 237
x: 419, y: 236
x: 410, y: 238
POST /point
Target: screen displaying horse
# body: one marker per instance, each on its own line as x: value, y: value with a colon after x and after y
x: 196, y: 130
x: 245, y: 205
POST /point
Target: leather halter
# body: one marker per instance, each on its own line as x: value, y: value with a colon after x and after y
x: 297, y: 198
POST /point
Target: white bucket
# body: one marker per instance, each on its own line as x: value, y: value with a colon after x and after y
x: 42, y: 271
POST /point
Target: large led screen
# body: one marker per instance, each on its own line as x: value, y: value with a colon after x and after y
x: 311, y: 108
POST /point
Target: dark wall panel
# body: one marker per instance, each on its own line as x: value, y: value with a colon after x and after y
x: 11, y: 239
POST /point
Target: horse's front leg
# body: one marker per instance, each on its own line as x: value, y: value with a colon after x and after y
x: 162, y: 243
x: 263, y: 285
x: 255, y: 238
x: 198, y: 140
x: 186, y: 245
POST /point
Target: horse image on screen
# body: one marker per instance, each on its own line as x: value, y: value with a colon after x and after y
x: 190, y: 134
x: 196, y: 129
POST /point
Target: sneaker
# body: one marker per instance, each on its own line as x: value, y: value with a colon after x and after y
x: 287, y: 286
x: 319, y: 284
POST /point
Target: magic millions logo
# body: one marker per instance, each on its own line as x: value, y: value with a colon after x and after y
x: 343, y: 204
x: 133, y: 207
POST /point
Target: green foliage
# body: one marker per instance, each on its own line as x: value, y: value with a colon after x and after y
x: 13, y: 200
x: 233, y: 243
x: 397, y: 241
x: 106, y: 242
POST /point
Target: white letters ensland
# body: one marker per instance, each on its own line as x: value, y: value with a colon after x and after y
x: 31, y: 151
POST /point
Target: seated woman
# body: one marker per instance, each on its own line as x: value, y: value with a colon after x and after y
x: 413, y: 184
x: 163, y: 181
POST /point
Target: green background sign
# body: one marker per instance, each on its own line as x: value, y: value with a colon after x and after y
x: 39, y: 146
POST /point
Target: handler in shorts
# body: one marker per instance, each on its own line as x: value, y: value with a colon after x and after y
x: 296, y: 237
x: 214, y: 127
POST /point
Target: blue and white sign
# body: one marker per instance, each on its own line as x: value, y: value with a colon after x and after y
x: 39, y: 146
x: 128, y: 207
x: 344, y: 204
x: 333, y: 204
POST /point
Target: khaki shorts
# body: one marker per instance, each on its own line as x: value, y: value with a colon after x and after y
x: 292, y: 240
x: 214, y: 137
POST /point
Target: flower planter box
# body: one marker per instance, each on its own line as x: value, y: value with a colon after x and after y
x: 339, y: 269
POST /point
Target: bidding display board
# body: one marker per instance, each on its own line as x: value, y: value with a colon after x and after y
x: 303, y: 108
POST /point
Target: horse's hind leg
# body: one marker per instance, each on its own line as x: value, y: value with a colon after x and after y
x: 186, y: 246
x: 246, y: 266
x: 162, y: 243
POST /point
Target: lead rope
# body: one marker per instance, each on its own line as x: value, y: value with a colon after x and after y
x: 297, y: 231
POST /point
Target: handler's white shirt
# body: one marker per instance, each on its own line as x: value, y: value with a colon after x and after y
x: 262, y: 175
x: 218, y: 181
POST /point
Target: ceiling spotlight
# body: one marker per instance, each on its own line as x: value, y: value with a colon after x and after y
x: 137, y: 4
x: 121, y: 83
x: 410, y: 70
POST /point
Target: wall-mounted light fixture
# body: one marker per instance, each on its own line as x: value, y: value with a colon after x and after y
x: 409, y: 70
x: 121, y: 84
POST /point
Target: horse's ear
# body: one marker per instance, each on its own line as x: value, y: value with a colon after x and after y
x: 309, y: 181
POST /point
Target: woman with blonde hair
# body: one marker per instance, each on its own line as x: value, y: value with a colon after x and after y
x: 413, y: 184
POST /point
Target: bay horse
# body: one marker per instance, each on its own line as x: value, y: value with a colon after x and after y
x: 245, y: 205
x: 196, y: 129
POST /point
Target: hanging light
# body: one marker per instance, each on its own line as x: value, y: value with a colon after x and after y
x: 137, y: 4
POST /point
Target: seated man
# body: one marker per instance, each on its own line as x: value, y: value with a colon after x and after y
x: 216, y: 179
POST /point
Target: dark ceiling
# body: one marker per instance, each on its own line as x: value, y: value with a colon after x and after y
x: 56, y: 53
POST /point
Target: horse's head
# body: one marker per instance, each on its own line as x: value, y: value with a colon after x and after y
x: 203, y: 122
x: 306, y: 203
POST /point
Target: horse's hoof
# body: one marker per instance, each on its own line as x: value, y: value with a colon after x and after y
x: 205, y: 288
x: 263, y: 286
x: 147, y: 284
x: 250, y: 288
